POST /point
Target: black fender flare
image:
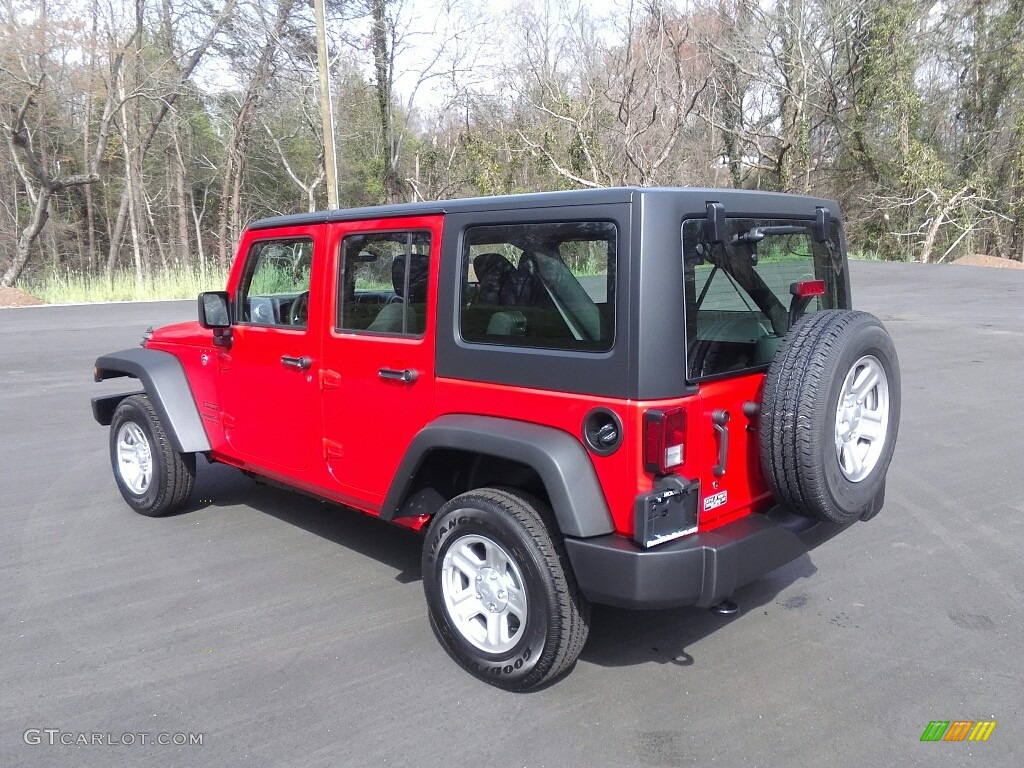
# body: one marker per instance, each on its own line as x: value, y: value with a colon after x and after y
x: 166, y: 384
x: 559, y: 458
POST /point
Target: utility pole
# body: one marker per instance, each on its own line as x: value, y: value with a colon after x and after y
x: 326, y: 107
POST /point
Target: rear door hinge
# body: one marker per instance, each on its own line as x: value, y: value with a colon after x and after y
x: 332, y: 450
x: 329, y: 379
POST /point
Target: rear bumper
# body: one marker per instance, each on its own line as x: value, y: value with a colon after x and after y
x: 701, y: 569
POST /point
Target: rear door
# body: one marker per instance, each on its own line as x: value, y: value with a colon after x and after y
x: 740, y: 303
x: 378, y: 353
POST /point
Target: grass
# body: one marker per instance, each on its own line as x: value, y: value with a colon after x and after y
x: 71, y: 287
x: 273, y: 279
x: 172, y: 283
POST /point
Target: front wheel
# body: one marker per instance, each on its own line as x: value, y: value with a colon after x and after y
x: 153, y: 478
x: 500, y: 592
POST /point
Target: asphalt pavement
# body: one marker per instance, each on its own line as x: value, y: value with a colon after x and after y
x: 279, y: 631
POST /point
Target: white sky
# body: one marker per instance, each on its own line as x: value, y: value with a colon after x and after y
x: 431, y: 37
x: 422, y: 46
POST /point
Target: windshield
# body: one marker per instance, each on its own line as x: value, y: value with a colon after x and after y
x: 740, y: 293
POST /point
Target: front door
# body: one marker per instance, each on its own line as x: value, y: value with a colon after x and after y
x: 378, y: 356
x: 268, y: 392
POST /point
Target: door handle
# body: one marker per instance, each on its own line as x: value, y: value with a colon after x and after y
x: 720, y: 418
x: 409, y: 375
x: 298, y: 363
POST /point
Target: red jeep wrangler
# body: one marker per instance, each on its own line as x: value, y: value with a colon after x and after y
x: 639, y: 397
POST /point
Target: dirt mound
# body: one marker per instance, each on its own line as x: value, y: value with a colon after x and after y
x: 983, y: 260
x: 12, y: 297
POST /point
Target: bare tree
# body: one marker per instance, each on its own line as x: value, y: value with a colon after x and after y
x: 259, y: 77
x: 42, y: 177
x: 554, y: 76
x: 910, y: 114
x: 165, y: 100
x: 655, y: 82
x: 308, y: 187
x: 440, y: 44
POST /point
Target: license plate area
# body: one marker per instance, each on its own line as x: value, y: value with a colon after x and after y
x: 668, y: 512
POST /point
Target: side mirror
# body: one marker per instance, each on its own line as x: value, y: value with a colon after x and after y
x: 215, y: 314
x: 214, y: 310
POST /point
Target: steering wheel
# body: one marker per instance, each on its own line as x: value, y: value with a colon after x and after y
x: 298, y: 313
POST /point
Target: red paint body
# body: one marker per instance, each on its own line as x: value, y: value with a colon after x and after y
x: 339, y: 431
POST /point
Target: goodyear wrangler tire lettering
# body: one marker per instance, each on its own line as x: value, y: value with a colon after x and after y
x: 443, y: 530
x: 508, y: 669
x: 500, y: 593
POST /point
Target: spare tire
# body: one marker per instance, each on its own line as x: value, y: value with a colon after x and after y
x: 830, y: 412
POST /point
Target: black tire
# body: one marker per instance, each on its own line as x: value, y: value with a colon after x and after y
x: 557, y: 620
x: 172, y: 473
x: 799, y: 422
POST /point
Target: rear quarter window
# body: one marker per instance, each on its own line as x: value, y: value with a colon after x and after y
x: 548, y: 285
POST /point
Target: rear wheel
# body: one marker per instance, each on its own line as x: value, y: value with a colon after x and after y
x: 830, y: 413
x: 153, y: 478
x: 500, y: 591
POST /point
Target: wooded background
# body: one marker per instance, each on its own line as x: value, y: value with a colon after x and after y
x: 143, y: 135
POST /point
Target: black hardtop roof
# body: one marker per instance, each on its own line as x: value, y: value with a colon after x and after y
x: 783, y: 204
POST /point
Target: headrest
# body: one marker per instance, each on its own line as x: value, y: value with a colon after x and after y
x: 418, y: 274
x: 497, y: 280
x: 492, y: 265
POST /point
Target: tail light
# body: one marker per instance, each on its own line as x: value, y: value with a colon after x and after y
x: 803, y: 293
x: 806, y: 289
x: 664, y: 440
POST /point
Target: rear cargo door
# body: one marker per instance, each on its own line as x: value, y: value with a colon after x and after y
x: 742, y: 295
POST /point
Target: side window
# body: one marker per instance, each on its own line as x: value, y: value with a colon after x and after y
x: 383, y: 282
x: 275, y: 288
x: 739, y: 293
x: 546, y: 285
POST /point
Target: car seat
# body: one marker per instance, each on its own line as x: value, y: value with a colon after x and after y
x: 389, y: 319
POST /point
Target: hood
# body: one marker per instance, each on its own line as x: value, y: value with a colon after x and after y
x: 182, y: 333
